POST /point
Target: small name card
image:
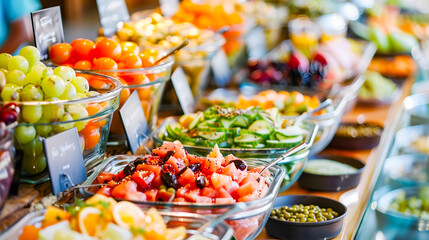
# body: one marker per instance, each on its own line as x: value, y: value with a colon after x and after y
x: 134, y: 122
x: 220, y: 68
x: 47, y: 29
x: 183, y: 91
x: 113, y: 13
x: 255, y: 43
x: 65, y: 160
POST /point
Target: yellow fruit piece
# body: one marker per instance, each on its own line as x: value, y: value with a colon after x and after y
x: 186, y: 119
x: 177, y: 233
x: 127, y: 215
x: 89, y: 220
x: 54, y: 215
x: 155, y: 226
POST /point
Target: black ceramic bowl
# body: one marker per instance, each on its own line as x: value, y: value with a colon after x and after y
x: 313, y: 230
x: 353, y: 141
x: 332, y: 183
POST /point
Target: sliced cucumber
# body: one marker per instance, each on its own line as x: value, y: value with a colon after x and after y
x: 226, y: 123
x: 213, y: 136
x: 241, y: 121
x: 262, y: 125
x: 248, y: 139
x: 286, y: 143
x: 196, y: 121
x: 173, y: 133
x: 208, y: 123
x: 291, y: 131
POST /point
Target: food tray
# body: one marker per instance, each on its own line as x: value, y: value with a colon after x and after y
x: 189, y: 220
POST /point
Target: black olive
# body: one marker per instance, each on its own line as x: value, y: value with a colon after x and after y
x: 140, y: 161
x: 182, y: 171
x: 239, y: 164
x: 168, y: 155
x: 195, y: 167
x: 169, y: 180
x: 201, y: 182
x: 129, y: 169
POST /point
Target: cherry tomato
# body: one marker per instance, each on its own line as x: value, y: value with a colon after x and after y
x: 148, y: 57
x: 105, y: 63
x: 60, y: 53
x: 108, y: 48
x: 82, y: 49
x: 83, y: 65
x: 129, y: 47
x: 130, y: 60
x: 91, y: 134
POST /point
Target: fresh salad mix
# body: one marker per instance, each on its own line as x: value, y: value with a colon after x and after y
x: 235, y: 128
x: 170, y: 174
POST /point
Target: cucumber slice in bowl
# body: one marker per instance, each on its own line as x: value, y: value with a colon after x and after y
x: 213, y: 136
x: 248, y: 139
x: 291, y: 131
x: 285, y: 143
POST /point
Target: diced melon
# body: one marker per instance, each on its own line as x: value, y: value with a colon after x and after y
x: 187, y: 177
x: 231, y: 170
x: 246, y: 189
x: 224, y: 200
x: 203, y: 199
x: 220, y: 180
x: 208, y: 192
x: 223, y: 193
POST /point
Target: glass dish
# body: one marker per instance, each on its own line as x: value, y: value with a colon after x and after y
x: 293, y: 165
x: 413, y: 139
x: 266, y: 154
x: 407, y: 170
x: 247, y: 224
x: 190, y: 221
x: 93, y: 129
x: 417, y: 108
x: 396, y: 225
x: 7, y: 166
x: 149, y: 83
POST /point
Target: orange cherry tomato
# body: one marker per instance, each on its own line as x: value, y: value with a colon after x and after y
x: 148, y: 57
x: 108, y: 48
x: 83, y: 65
x: 92, y: 109
x: 29, y: 232
x: 130, y: 60
x: 129, y: 47
x: 60, y: 53
x: 105, y: 63
x: 91, y: 134
x: 82, y: 49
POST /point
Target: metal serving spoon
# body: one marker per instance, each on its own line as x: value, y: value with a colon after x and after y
x: 173, y: 51
x: 291, y: 151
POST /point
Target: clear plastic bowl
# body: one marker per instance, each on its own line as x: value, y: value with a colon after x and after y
x: 173, y: 219
x: 93, y: 130
x: 247, y: 224
x: 7, y: 167
x: 149, y: 83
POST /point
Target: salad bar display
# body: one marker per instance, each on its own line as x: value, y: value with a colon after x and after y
x: 282, y: 120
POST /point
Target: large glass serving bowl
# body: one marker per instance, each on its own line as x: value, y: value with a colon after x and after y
x: 247, y: 224
x: 149, y: 83
x: 93, y: 129
x: 190, y: 221
x: 293, y: 165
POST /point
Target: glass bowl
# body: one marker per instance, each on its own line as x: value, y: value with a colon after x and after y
x: 417, y: 108
x: 190, y: 221
x: 407, y: 170
x: 93, y: 129
x: 195, y: 58
x: 247, y: 224
x: 413, y: 139
x: 397, y: 225
x: 293, y: 165
x: 149, y: 83
x: 7, y: 166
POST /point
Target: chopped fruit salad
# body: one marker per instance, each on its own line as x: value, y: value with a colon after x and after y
x: 170, y: 174
x: 235, y: 128
x: 101, y: 217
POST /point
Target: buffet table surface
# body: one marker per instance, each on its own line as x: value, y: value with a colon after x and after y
x: 18, y: 206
